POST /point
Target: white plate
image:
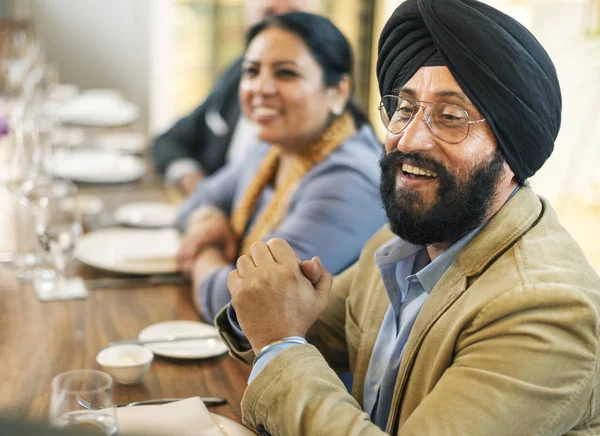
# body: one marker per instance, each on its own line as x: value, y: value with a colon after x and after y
x: 102, y: 93
x: 97, y: 166
x: 70, y: 136
x: 63, y: 92
x: 229, y: 427
x: 147, y: 214
x: 131, y: 251
x: 102, y: 108
x: 126, y: 141
x: 183, y: 349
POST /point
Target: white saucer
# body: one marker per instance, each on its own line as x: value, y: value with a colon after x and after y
x: 148, y: 214
x: 96, y: 166
x: 130, y: 251
x: 183, y: 349
x: 128, y: 142
x: 63, y: 92
x: 98, y: 108
x: 229, y: 427
x: 70, y: 137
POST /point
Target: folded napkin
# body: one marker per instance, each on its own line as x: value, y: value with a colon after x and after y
x: 188, y: 417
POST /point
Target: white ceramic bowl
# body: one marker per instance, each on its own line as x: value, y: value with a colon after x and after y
x: 127, y: 364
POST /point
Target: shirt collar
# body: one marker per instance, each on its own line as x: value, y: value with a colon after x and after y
x: 433, y: 272
x: 395, y: 250
x: 428, y: 274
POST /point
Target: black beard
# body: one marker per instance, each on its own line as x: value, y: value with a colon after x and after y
x: 459, y: 206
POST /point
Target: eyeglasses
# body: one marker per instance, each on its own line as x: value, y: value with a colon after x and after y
x: 447, y: 121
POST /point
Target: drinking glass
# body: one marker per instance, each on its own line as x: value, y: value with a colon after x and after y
x: 22, y: 176
x: 95, y: 387
x: 58, y: 228
x: 24, y: 161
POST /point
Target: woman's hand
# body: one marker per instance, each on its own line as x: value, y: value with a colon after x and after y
x: 207, y: 226
x: 189, y: 183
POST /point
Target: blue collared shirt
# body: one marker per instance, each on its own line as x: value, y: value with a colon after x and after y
x: 408, y: 278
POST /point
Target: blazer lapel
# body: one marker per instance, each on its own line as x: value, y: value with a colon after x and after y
x: 450, y: 287
x: 378, y: 304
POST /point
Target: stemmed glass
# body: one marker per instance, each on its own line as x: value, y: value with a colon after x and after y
x: 95, y: 387
x: 28, y: 137
x: 58, y: 228
x: 21, y: 174
x: 26, y: 178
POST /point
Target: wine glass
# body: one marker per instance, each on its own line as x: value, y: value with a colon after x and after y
x: 95, y: 387
x: 58, y: 228
x: 24, y: 164
x: 21, y: 174
x: 17, y: 58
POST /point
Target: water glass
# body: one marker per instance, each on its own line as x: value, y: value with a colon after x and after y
x: 96, y: 388
x: 58, y: 228
x: 21, y: 177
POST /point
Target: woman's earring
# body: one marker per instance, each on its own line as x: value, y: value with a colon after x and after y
x: 337, y: 110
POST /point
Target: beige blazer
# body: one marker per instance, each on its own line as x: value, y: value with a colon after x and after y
x: 505, y: 344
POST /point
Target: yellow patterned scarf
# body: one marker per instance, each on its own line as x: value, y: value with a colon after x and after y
x: 274, y: 212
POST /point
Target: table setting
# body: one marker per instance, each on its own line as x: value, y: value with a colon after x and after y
x: 108, y: 337
x: 83, y: 400
x: 126, y: 362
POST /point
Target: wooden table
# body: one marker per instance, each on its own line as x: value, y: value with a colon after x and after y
x: 39, y: 340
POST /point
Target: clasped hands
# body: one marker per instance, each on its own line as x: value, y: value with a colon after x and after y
x: 275, y: 295
x: 207, y: 227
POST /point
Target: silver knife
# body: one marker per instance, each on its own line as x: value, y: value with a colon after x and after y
x: 135, y: 282
x: 209, y: 401
x: 164, y: 340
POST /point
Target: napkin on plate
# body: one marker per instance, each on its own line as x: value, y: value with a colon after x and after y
x: 188, y: 417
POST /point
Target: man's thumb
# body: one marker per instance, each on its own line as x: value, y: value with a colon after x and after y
x: 325, y: 280
x: 312, y: 271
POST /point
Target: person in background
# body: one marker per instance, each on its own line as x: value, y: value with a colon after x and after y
x: 475, y: 312
x: 200, y: 143
x: 312, y: 180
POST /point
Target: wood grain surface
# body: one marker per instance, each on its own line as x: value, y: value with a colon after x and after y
x: 39, y: 340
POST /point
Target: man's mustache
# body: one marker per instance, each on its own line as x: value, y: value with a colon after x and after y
x: 393, y: 160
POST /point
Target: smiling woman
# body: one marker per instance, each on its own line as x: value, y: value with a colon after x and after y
x: 282, y: 90
x: 313, y: 178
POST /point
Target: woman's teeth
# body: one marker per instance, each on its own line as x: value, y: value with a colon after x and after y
x: 264, y: 111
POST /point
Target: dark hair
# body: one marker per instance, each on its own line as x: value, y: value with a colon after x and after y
x: 326, y: 43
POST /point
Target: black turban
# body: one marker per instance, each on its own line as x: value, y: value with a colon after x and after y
x: 497, y: 62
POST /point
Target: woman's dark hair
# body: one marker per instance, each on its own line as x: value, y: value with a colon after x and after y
x: 326, y: 43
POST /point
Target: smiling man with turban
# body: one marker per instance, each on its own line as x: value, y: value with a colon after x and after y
x: 474, y: 312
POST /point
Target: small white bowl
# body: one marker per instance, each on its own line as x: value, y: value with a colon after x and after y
x: 127, y: 364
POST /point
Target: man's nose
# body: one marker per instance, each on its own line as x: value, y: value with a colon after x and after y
x: 416, y: 136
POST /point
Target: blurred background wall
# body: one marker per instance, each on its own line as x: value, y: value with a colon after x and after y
x: 99, y: 44
x: 96, y: 44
